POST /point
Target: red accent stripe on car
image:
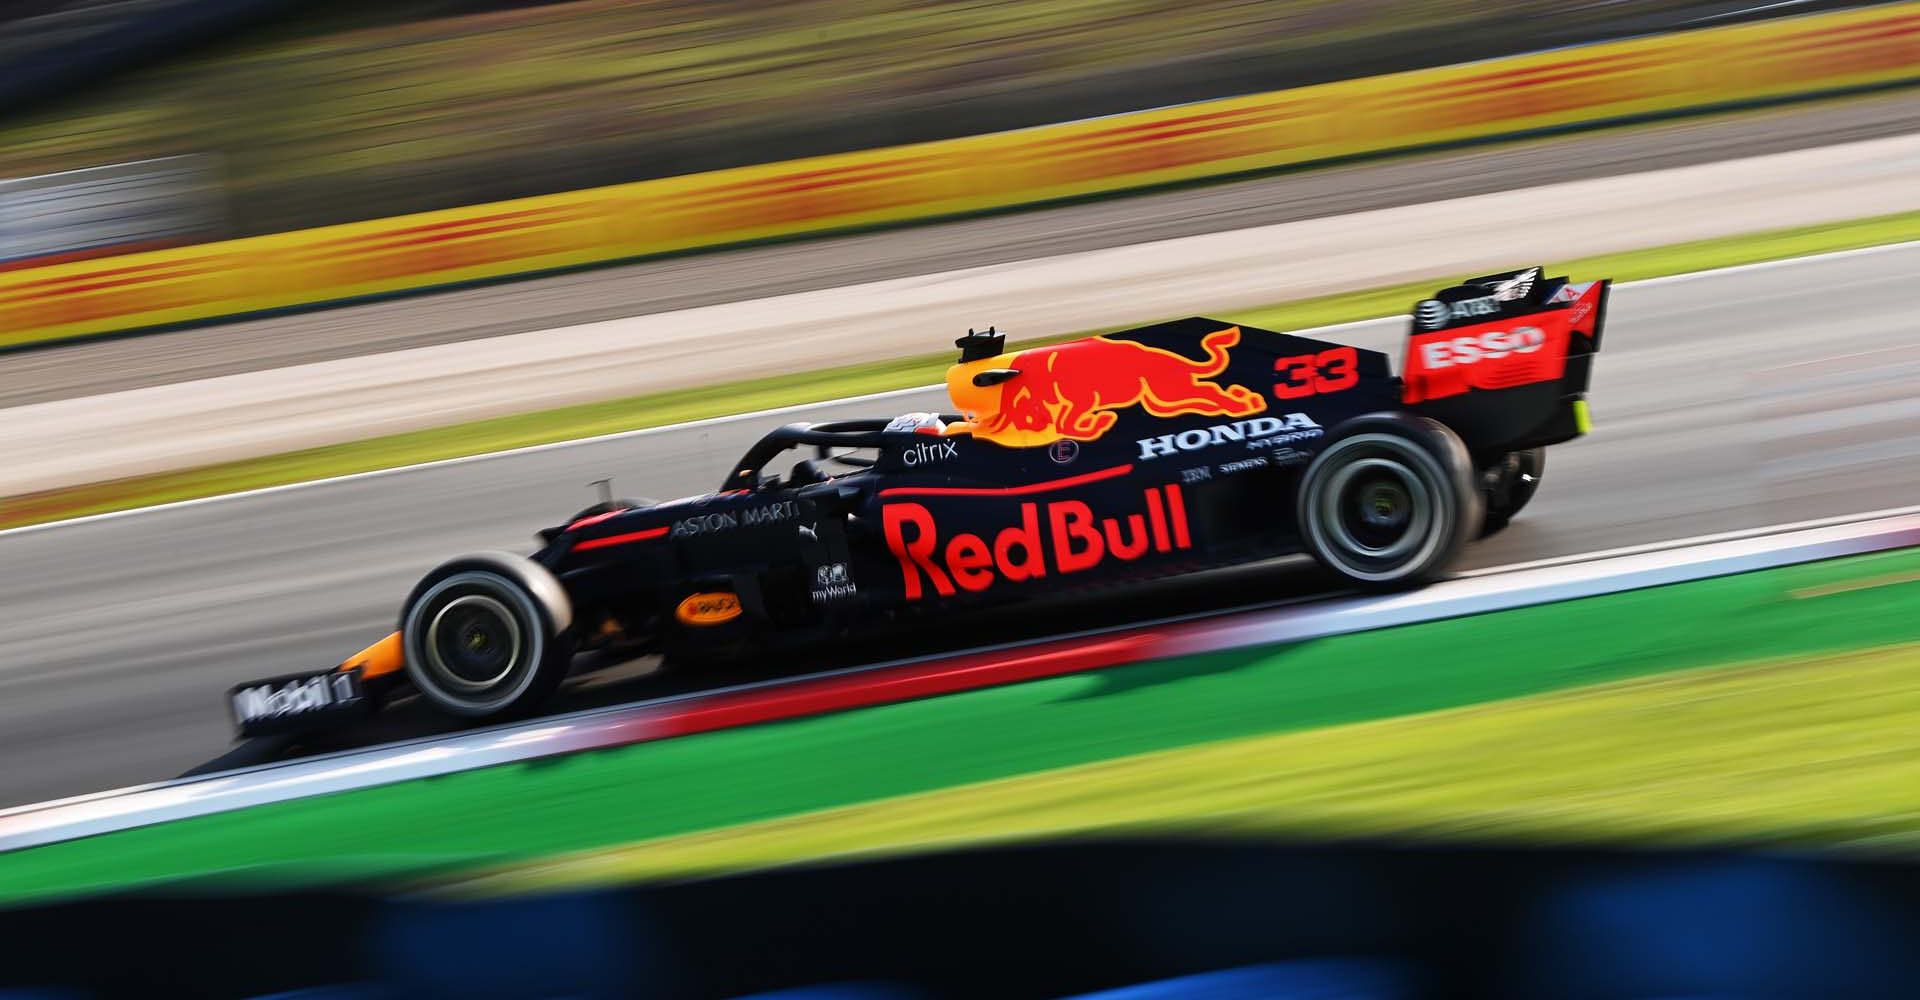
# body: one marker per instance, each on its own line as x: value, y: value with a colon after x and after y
x: 631, y: 536
x: 904, y: 683
x: 1007, y: 491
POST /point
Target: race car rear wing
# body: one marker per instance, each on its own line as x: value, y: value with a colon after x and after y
x: 1505, y: 359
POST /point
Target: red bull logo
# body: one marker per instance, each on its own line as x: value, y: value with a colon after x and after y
x: 1072, y: 391
x: 1061, y: 536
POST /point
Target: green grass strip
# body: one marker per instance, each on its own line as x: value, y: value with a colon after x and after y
x: 1810, y: 751
x: 657, y: 409
x: 600, y: 799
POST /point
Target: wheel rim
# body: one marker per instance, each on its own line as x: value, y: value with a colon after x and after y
x: 1377, y: 508
x: 473, y: 642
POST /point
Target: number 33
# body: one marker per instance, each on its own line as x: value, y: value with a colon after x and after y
x: 1311, y: 374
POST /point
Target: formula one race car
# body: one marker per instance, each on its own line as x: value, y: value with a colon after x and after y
x: 1167, y: 449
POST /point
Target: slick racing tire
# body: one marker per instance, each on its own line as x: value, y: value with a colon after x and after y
x: 487, y: 636
x: 1521, y: 473
x: 1390, y: 502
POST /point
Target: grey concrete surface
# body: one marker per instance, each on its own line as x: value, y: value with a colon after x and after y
x: 1735, y: 400
x: 660, y: 286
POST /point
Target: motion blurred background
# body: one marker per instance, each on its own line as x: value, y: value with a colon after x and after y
x: 312, y: 114
x: 215, y: 275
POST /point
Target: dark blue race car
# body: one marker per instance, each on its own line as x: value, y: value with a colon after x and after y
x: 1167, y: 449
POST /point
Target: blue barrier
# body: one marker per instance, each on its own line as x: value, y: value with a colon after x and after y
x: 1131, y: 920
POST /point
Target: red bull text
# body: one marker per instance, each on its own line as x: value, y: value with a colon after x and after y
x: 1060, y: 536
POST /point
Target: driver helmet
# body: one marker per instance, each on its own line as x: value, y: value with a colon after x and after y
x: 917, y: 423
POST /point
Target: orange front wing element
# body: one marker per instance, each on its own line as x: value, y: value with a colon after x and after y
x: 383, y: 657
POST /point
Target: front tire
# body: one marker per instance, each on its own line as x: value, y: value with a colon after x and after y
x: 1390, y: 503
x: 486, y: 637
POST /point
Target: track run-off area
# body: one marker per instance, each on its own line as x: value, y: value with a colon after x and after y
x: 1725, y: 400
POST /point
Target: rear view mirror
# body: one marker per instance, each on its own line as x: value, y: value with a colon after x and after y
x: 994, y: 376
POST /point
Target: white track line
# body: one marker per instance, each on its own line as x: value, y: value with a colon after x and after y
x: 462, y: 460
x: 1317, y: 332
x: 1696, y: 540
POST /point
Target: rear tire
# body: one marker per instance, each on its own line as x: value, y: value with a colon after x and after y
x: 1521, y: 482
x: 1389, y: 504
x: 486, y: 636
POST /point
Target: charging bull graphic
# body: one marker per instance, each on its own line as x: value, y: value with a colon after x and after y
x: 1070, y: 391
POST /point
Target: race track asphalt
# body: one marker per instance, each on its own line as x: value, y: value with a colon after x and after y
x: 1733, y: 400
